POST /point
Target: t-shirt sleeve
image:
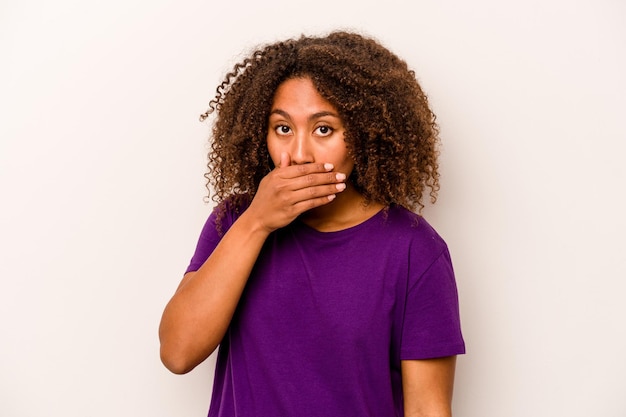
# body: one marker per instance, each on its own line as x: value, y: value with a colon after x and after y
x: 213, y: 231
x: 431, y: 326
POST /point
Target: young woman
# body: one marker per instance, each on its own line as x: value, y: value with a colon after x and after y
x: 326, y: 294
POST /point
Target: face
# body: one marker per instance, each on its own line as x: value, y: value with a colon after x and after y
x: 307, y: 127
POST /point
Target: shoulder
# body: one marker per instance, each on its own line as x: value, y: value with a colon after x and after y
x: 221, y: 219
x: 412, y: 227
x: 414, y: 239
x: 228, y: 211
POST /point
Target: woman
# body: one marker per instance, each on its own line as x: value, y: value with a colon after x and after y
x: 326, y: 293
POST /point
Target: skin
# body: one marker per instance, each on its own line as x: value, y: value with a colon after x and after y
x: 427, y: 387
x: 305, y: 140
x: 307, y: 128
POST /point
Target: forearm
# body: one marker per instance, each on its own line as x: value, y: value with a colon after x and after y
x: 442, y: 412
x: 198, y: 315
x: 428, y: 386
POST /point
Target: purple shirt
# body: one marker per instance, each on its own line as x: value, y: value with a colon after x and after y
x: 326, y: 318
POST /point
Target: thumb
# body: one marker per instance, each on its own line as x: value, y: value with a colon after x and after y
x: 285, y: 159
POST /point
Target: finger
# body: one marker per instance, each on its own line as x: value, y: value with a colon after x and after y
x: 295, y: 171
x: 312, y: 203
x: 285, y: 159
x: 313, y: 193
x: 310, y: 181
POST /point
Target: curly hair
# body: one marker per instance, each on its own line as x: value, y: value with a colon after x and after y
x: 390, y: 130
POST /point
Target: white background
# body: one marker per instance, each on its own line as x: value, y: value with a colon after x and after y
x: 101, y: 190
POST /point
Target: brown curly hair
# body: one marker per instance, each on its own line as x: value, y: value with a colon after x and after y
x: 390, y: 129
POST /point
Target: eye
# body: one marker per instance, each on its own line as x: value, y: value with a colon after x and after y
x: 282, y: 130
x: 324, y: 130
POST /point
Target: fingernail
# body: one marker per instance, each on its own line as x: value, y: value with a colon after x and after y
x: 328, y: 166
x: 341, y: 186
x: 331, y: 197
x: 340, y: 176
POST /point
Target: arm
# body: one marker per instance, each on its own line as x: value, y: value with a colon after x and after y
x: 198, y: 315
x: 427, y: 387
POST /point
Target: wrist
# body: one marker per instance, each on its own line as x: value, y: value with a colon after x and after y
x: 254, y: 225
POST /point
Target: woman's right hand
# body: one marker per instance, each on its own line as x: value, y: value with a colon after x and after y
x: 290, y: 190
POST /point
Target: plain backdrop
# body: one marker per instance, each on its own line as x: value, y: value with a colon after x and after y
x: 102, y: 191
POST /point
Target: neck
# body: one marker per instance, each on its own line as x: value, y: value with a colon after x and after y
x: 348, y: 209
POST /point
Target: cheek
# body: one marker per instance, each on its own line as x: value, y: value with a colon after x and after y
x: 343, y: 157
x: 342, y: 162
x: 273, y: 150
x: 348, y: 166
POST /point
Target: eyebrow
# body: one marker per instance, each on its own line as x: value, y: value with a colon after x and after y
x: 311, y: 117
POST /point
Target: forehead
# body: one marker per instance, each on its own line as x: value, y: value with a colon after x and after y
x: 299, y: 94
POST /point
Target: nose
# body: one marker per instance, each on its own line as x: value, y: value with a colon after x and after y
x: 301, y: 152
